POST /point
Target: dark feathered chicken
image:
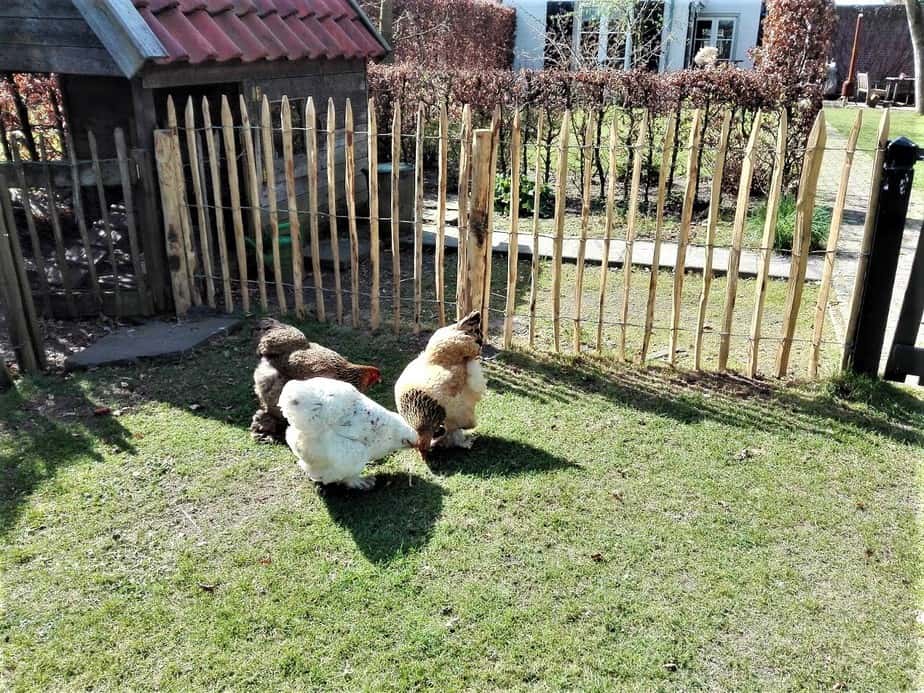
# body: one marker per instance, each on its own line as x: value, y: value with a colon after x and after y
x: 286, y: 354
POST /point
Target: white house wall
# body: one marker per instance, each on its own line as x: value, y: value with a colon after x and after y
x: 529, y: 46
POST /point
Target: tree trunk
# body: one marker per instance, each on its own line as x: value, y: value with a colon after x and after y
x: 916, y: 26
x: 22, y: 114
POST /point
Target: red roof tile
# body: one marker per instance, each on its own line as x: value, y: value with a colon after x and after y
x: 198, y: 31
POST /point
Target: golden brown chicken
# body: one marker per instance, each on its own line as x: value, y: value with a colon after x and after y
x: 286, y: 354
x: 437, y: 392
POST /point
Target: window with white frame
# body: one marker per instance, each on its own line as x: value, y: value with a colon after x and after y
x: 718, y: 32
x: 618, y: 33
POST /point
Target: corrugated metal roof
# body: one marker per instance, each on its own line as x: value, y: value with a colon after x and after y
x: 202, y: 31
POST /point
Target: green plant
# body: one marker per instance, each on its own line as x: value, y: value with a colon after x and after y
x: 786, y: 224
x: 502, y: 192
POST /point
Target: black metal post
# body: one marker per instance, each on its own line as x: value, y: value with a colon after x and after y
x: 894, y: 193
x: 904, y: 358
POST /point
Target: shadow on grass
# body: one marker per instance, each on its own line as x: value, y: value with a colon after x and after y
x: 46, y: 436
x: 731, y: 399
x: 396, y: 516
x: 493, y: 456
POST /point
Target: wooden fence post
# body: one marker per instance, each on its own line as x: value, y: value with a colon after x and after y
x: 396, y: 217
x: 478, y: 213
x: 440, y: 255
x: 465, y: 174
x: 372, y: 149
x: 418, y: 216
x: 561, y: 188
x: 170, y: 174
x: 295, y: 229
x: 631, y: 231
x: 537, y: 198
x: 587, y: 168
x: 513, y: 239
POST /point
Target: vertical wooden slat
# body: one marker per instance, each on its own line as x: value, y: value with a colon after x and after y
x: 513, y: 243
x: 587, y: 159
x: 373, y: 155
x: 311, y: 144
x: 269, y: 175
x: 131, y: 224
x: 80, y: 216
x: 295, y: 231
x: 170, y: 175
x: 489, y: 246
x: 686, y: 217
x: 202, y: 214
x: 396, y: 216
x: 853, y: 314
x: 37, y: 254
x: 608, y: 231
x: 350, y: 188
x: 802, y: 237
x: 734, y: 253
x: 440, y: 256
x: 561, y: 188
x: 766, y: 245
x: 22, y: 323
x: 185, y: 221
x: 107, y: 223
x: 418, y: 218
x: 227, y: 128
x: 669, y: 137
x: 252, y: 166
x: 537, y: 198
x: 482, y: 198
x: 332, y: 203
x: 211, y: 144
x: 631, y: 231
x: 834, y: 232
x: 465, y: 174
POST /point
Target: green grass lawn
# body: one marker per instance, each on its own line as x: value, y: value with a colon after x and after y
x: 613, y: 527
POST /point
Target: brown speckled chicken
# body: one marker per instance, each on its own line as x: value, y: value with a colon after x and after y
x: 286, y: 354
x: 437, y: 392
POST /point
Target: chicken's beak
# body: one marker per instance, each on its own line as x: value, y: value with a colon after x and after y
x: 423, y: 445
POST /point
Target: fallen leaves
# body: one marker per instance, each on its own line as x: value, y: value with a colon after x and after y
x: 102, y: 411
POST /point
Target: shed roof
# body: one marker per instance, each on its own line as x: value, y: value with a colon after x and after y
x: 202, y: 31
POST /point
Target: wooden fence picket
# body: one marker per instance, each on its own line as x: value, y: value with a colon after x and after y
x: 766, y: 245
x: 252, y: 166
x: 37, y: 255
x: 108, y: 229
x: 295, y: 229
x: 659, y: 229
x: 463, y: 305
x: 439, y: 273
x: 332, y: 203
x: 686, y: 217
x: 834, y: 232
x: 202, y: 212
x: 211, y: 145
x: 269, y: 175
x: 608, y: 231
x: 482, y: 198
x: 349, y: 184
x: 587, y: 151
x: 170, y: 175
x: 80, y: 217
x: 802, y: 237
x: 373, y: 154
x: 131, y: 226
x: 537, y: 199
x: 489, y: 246
x: 237, y: 219
x: 513, y: 238
x: 631, y: 231
x: 734, y: 254
x: 311, y: 151
x: 561, y: 189
x: 396, y: 216
x: 186, y: 239
x: 418, y: 217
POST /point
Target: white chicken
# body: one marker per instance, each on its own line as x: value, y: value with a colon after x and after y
x: 335, y: 430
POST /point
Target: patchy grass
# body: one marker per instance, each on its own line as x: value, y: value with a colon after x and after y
x: 612, y: 527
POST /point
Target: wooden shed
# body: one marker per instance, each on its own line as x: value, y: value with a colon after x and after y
x: 119, y: 60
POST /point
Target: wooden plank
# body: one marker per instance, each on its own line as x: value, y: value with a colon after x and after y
x: 766, y: 245
x: 561, y: 189
x: 269, y: 175
x: 237, y: 219
x: 802, y: 237
x: 869, y: 226
x: 686, y: 217
x: 418, y: 218
x: 60, y: 254
x: 332, y: 204
x: 612, y: 173
x: 211, y: 144
x: 669, y: 137
x: 72, y: 60
x: 295, y: 232
x: 188, y: 245
x: 107, y: 224
x: 631, y: 231
x: 482, y: 198
x: 734, y: 254
x: 513, y: 243
x: 12, y: 300
x: 251, y: 167
x: 834, y: 232
x: 587, y: 152
x: 37, y: 255
x: 62, y: 173
x: 80, y: 216
x: 131, y: 224
x: 372, y: 145
x: 537, y: 198
x: 395, y: 215
x: 489, y: 246
x: 170, y: 174
x: 202, y: 213
x: 311, y: 144
x: 350, y: 189
x: 463, y: 307
x: 440, y: 257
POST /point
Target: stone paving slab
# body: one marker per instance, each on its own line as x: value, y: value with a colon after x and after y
x: 151, y: 340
